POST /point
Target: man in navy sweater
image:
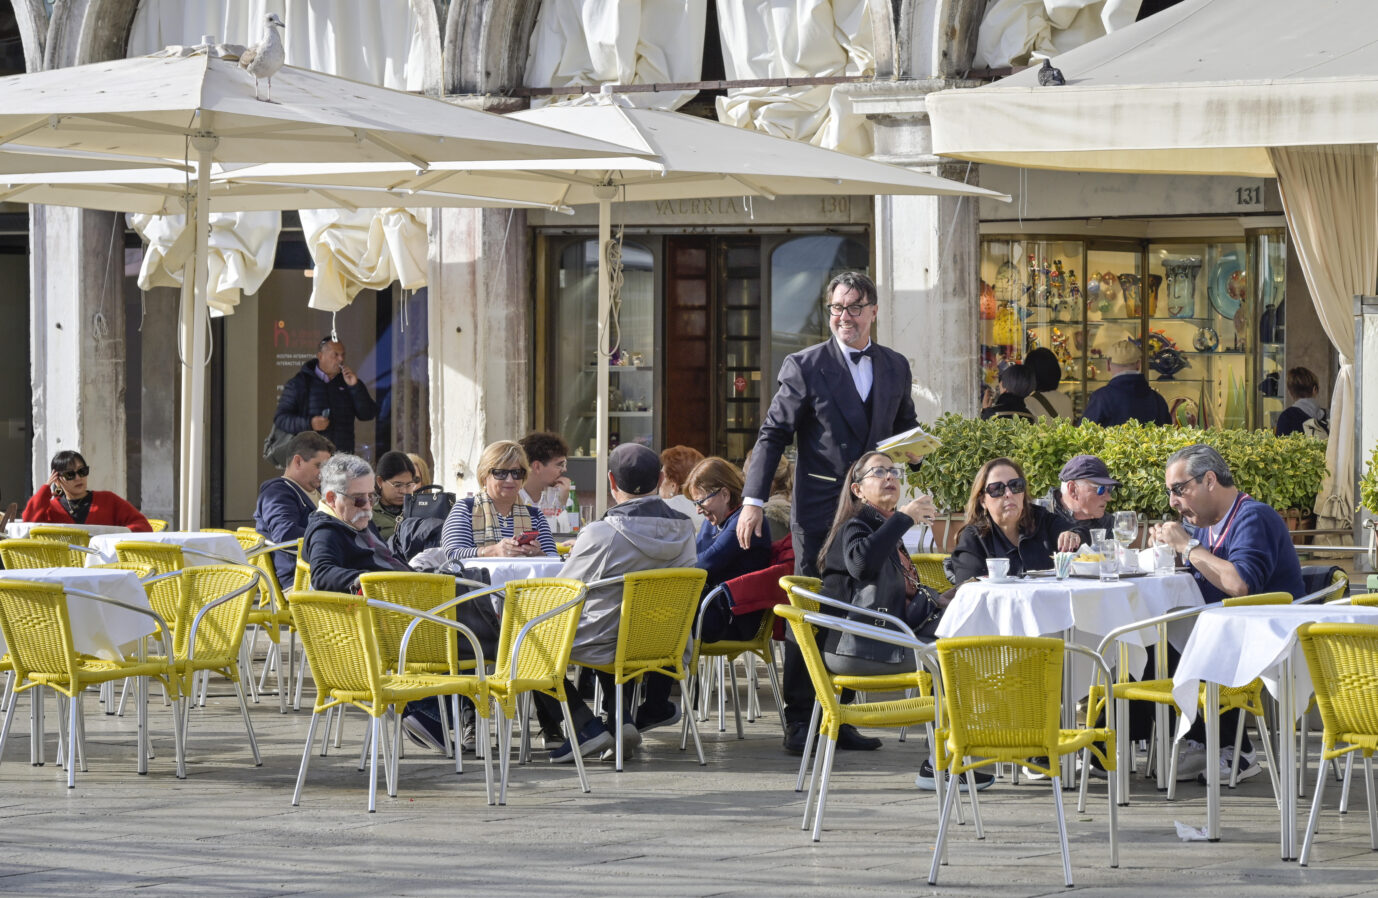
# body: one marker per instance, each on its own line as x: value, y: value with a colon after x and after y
x: 285, y: 502
x: 1128, y: 394
x: 1235, y: 546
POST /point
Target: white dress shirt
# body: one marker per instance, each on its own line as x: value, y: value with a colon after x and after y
x: 863, y: 373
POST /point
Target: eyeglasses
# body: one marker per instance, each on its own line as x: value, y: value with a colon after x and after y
x: 74, y: 474
x: 837, y: 310
x: 1015, y: 485
x: 361, y: 500
x: 1102, y: 489
x: 1180, y: 489
x: 882, y: 472
x: 507, y: 474
x: 700, y: 503
x: 402, y: 486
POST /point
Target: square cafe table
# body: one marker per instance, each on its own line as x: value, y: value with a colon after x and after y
x: 1232, y: 647
x: 1078, y: 609
x: 197, y: 548
x: 100, y: 629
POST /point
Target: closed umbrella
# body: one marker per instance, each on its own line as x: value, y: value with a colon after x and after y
x: 670, y: 156
x: 192, y: 105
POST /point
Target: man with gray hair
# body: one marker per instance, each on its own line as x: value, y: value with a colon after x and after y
x: 1235, y: 546
x: 342, y: 544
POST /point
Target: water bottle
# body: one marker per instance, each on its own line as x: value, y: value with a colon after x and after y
x: 572, y: 508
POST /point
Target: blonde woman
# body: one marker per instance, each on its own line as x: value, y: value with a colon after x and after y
x: 495, y: 523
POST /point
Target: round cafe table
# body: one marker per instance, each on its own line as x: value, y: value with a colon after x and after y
x: 500, y: 570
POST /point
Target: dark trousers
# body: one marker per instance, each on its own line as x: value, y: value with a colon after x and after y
x: 795, y: 686
x: 548, y: 709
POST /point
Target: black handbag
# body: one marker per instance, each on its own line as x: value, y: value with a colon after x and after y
x: 275, y: 446
x: 869, y: 598
x: 430, y: 501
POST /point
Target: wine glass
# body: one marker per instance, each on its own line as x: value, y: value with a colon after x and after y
x: 1126, y: 527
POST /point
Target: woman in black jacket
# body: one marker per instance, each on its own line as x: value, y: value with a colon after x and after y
x: 864, y: 562
x: 1003, y: 523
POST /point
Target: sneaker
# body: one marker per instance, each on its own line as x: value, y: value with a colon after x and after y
x: 424, y: 732
x: 1034, y: 775
x: 1247, y: 767
x: 1191, y: 759
x: 631, y: 740
x: 468, y: 737
x: 1097, y: 771
x: 926, y: 781
x: 593, y: 737
x: 649, y: 720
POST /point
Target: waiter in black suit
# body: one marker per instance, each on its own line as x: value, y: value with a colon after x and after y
x: 836, y: 400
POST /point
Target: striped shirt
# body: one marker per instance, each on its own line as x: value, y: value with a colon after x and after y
x: 457, y: 536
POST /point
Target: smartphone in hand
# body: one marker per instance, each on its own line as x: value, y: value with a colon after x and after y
x: 527, y: 538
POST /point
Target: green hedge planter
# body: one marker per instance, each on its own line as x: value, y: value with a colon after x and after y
x: 1285, y: 472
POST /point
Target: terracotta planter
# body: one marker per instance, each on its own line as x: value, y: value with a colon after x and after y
x: 1300, y: 520
x: 945, y: 530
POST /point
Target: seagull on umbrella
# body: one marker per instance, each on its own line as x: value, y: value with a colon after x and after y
x: 263, y: 59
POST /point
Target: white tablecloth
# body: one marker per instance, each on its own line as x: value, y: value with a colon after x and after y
x: 20, y: 529
x: 1088, y: 608
x: 503, y: 569
x: 1233, y: 646
x: 197, y: 548
x: 98, y: 628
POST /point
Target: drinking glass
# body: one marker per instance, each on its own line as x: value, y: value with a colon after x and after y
x: 1109, y: 559
x: 1126, y: 527
x: 1164, y: 559
x: 1097, y: 536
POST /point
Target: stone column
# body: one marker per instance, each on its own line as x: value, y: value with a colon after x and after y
x: 926, y: 254
x: 77, y: 336
x: 480, y: 337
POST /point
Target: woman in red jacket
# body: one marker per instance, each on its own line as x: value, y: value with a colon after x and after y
x: 64, y: 499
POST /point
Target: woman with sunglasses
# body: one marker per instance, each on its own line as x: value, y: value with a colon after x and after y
x: 65, y: 499
x: 1003, y: 523
x: 492, y: 524
x: 715, y: 488
x: 396, y: 479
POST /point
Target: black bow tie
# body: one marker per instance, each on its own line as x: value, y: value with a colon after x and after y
x: 858, y: 354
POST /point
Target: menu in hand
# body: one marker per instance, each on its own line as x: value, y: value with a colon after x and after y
x: 918, y: 441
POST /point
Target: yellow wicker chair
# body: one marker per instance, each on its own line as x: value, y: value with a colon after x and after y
x: 36, y: 624
x: 539, y: 619
x: 431, y: 649
x: 930, y: 568
x: 71, y: 536
x: 17, y: 554
x: 894, y: 713
x: 1001, y: 702
x: 1343, y: 661
x: 214, y: 602
x: 1370, y: 598
x: 1159, y: 691
x: 726, y: 652
x: 804, y: 594
x: 157, y: 524
x: 339, y: 633
x: 273, y: 612
x: 652, y: 633
x: 165, y: 595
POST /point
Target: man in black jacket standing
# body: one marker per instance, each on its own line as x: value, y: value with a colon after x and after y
x: 835, y: 401
x: 325, y: 396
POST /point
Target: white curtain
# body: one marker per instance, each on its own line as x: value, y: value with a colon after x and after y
x: 586, y: 43
x: 1330, y: 195
x: 353, y: 254
x: 242, y: 245
x: 1013, y: 29
x: 373, y: 41
x: 797, y: 38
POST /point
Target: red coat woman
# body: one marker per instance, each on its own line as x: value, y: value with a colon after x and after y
x: 65, y: 499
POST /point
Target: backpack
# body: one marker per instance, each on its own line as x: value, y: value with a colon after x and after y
x: 415, y: 535
x: 275, y: 446
x: 1317, y: 427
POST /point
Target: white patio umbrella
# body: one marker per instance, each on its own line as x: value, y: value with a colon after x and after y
x: 197, y: 107
x: 1261, y: 88
x: 16, y: 159
x: 671, y: 156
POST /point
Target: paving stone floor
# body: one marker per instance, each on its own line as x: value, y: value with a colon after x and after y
x: 664, y: 827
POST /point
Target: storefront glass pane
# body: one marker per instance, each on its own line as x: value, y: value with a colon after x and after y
x: 632, y: 386
x: 800, y: 269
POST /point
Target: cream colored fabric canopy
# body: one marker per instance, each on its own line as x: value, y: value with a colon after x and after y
x: 1261, y: 88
